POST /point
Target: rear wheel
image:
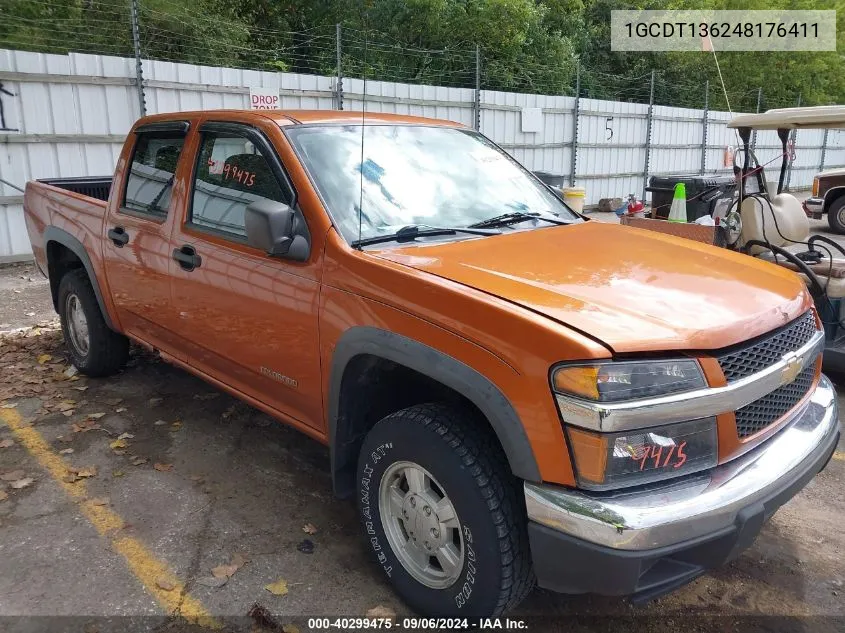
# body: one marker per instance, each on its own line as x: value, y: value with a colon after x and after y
x: 95, y: 349
x: 836, y: 215
x: 442, y: 513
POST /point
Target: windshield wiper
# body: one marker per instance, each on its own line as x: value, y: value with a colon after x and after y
x: 413, y: 231
x: 514, y: 218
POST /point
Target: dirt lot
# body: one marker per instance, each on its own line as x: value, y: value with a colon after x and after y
x: 151, y: 494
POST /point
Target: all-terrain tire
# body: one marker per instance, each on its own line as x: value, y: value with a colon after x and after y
x: 104, y: 351
x: 468, y: 466
x: 836, y: 215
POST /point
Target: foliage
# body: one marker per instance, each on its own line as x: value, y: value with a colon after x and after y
x: 525, y: 45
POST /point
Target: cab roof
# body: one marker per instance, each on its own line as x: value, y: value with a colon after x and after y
x: 819, y: 117
x: 303, y: 117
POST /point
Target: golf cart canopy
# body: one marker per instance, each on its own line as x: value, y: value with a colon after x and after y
x: 819, y: 117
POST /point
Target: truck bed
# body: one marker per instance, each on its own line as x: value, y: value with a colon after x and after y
x: 97, y: 187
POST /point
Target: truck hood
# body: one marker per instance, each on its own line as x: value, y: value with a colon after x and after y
x: 634, y: 290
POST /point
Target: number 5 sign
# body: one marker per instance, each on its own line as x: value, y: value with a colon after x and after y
x: 263, y: 98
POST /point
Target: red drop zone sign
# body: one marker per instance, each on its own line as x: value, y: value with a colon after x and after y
x: 263, y: 99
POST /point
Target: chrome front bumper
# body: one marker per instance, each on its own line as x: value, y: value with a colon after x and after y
x: 700, y: 505
x: 814, y: 207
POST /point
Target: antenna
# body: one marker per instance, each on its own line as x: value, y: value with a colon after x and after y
x: 363, y: 112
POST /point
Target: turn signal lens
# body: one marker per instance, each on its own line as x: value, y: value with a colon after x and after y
x: 579, y: 381
x: 815, y: 187
x: 618, y: 460
x: 628, y: 380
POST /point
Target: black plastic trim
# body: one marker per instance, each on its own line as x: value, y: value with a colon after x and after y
x: 437, y: 366
x: 54, y: 234
x: 164, y: 126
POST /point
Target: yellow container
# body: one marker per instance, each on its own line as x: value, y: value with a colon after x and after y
x: 574, y: 198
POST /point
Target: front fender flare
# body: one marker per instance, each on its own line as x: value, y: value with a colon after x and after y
x: 440, y: 367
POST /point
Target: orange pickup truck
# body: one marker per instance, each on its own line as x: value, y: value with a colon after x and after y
x: 513, y: 394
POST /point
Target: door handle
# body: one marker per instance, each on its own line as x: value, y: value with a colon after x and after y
x: 119, y: 236
x: 187, y: 257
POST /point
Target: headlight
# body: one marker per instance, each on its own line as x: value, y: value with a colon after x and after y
x: 631, y: 458
x: 627, y: 380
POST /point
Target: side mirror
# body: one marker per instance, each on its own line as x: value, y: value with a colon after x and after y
x: 271, y: 226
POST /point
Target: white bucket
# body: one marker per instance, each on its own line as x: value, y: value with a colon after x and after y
x: 574, y: 198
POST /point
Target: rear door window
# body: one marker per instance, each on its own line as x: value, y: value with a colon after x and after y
x: 151, y: 173
x: 231, y: 173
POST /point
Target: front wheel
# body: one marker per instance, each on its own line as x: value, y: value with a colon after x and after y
x: 442, y: 513
x: 836, y: 215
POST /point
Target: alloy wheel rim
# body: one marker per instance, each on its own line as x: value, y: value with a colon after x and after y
x: 77, y: 325
x: 421, y: 525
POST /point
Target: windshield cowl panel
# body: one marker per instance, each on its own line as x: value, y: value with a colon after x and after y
x: 414, y: 174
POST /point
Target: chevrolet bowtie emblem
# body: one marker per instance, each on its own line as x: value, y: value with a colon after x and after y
x: 794, y: 365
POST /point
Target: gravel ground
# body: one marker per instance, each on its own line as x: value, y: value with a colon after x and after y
x: 153, y: 493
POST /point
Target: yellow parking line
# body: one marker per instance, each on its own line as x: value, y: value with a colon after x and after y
x: 142, y: 563
x: 839, y: 455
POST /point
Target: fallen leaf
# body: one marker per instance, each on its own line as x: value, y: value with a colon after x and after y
x: 224, y: 571
x: 9, y: 405
x: 64, y: 405
x: 70, y: 372
x: 100, y: 501
x: 44, y: 358
x: 176, y: 425
x: 159, y: 423
x: 290, y: 628
x: 152, y: 402
x: 117, y: 473
x: 21, y: 483
x: 210, y: 581
x: 119, y: 452
x: 94, y: 416
x: 120, y: 410
x: 67, y: 413
x: 7, y: 443
x: 162, y: 467
x: 3, y: 496
x: 228, y: 412
x: 197, y: 478
x: 165, y: 584
x: 13, y: 475
x: 125, y: 436
x: 306, y: 546
x: 88, y: 471
x: 113, y: 402
x: 80, y: 388
x: 118, y: 443
x: 139, y: 461
x: 239, y: 559
x: 309, y: 528
x: 278, y: 588
x: 205, y: 396
x: 381, y: 612
x: 66, y: 451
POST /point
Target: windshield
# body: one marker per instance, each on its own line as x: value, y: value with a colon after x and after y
x: 434, y: 176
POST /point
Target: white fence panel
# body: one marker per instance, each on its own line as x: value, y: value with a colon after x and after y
x: 70, y: 113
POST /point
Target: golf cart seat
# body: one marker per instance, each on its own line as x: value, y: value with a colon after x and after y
x: 783, y: 224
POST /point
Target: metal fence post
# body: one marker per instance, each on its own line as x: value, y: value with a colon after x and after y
x: 824, y: 150
x: 704, y: 126
x: 648, y: 136
x: 136, y: 43
x: 794, y: 137
x: 477, y: 106
x: 576, y: 112
x: 339, y: 86
x: 754, y: 132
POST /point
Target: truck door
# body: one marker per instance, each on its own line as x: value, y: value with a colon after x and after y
x: 247, y: 319
x: 136, y: 240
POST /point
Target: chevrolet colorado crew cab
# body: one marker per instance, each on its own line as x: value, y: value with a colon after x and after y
x: 511, y: 393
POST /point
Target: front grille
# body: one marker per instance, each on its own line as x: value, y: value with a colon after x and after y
x: 770, y: 408
x: 748, y: 359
